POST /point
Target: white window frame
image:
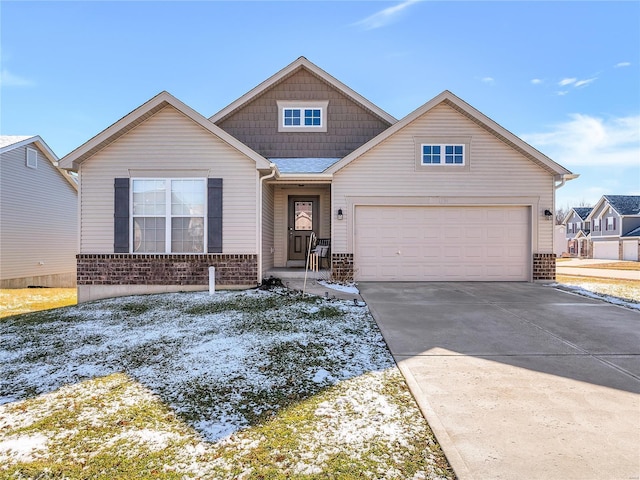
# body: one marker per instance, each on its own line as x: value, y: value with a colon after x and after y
x: 443, y: 154
x: 443, y: 142
x: 168, y: 216
x: 31, y: 159
x: 302, y: 106
x: 597, y: 222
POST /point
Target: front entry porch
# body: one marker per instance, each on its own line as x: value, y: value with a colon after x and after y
x: 301, y: 214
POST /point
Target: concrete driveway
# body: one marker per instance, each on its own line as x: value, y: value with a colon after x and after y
x: 518, y: 380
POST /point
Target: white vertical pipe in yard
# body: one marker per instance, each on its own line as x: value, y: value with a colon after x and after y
x: 212, y: 280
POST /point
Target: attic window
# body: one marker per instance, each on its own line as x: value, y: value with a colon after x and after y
x: 32, y: 158
x: 442, y: 154
x: 297, y: 116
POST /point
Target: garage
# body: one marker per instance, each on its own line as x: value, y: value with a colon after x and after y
x: 630, y: 250
x: 606, y: 250
x: 442, y: 243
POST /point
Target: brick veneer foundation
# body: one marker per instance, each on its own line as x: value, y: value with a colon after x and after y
x: 342, y: 267
x: 544, y: 266
x: 127, y: 269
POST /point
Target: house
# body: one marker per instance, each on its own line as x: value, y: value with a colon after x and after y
x: 445, y: 193
x: 615, y: 227
x: 38, y: 216
x: 577, y: 231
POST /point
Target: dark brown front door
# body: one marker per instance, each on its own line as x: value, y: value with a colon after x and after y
x: 303, y: 221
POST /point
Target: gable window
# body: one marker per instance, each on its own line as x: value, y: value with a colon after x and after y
x: 32, y: 158
x: 611, y: 224
x: 299, y: 116
x: 168, y: 215
x: 442, y: 154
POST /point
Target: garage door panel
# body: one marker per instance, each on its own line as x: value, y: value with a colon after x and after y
x: 442, y: 243
x: 605, y: 250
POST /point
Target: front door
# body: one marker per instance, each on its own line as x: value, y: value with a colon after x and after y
x: 303, y: 221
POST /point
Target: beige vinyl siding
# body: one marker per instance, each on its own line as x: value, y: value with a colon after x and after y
x: 282, y: 194
x: 267, y: 227
x: 497, y: 173
x: 38, y: 221
x: 169, y: 144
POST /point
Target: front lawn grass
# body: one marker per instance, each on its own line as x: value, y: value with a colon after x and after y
x: 238, y: 385
x: 620, y: 288
x: 628, y: 266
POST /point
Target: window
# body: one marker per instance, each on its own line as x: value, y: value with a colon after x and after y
x: 32, y: 158
x: 596, y: 224
x: 301, y: 116
x: 168, y: 215
x: 443, y: 154
x: 611, y: 224
x: 309, y: 117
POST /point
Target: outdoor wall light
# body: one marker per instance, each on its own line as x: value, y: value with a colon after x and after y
x: 340, y: 214
x: 548, y: 214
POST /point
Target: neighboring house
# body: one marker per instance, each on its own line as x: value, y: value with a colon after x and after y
x: 577, y: 238
x: 38, y: 216
x: 442, y: 194
x: 615, y: 227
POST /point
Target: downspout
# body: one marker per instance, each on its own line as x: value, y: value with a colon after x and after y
x: 272, y: 174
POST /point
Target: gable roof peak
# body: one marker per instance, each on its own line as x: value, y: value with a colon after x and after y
x: 624, y: 204
x: 163, y: 99
x: 300, y: 63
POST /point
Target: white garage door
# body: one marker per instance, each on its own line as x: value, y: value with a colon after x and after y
x: 605, y: 250
x: 394, y: 243
x: 630, y: 250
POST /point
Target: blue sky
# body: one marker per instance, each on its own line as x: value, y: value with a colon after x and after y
x: 564, y: 76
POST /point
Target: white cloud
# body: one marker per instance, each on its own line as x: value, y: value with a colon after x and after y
x: 561, y: 93
x: 489, y: 80
x: 536, y: 81
x: 622, y: 64
x: 384, y: 17
x: 8, y: 79
x: 582, y: 83
x: 567, y: 81
x: 591, y: 141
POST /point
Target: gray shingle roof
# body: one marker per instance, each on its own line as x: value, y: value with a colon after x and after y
x: 633, y: 233
x: 624, y: 204
x: 583, y: 212
x: 303, y: 165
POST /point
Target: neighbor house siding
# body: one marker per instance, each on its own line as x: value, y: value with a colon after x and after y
x: 281, y: 215
x: 169, y: 144
x: 496, y: 171
x: 348, y: 124
x: 38, y: 223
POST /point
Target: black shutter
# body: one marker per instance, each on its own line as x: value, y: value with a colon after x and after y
x: 121, y: 216
x: 214, y: 215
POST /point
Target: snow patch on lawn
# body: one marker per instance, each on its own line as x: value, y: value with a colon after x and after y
x: 340, y: 288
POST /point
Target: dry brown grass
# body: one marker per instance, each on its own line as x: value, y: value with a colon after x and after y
x: 625, y: 289
x: 632, y: 266
x: 14, y: 301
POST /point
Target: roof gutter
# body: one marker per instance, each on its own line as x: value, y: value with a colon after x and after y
x: 272, y: 174
x: 565, y: 178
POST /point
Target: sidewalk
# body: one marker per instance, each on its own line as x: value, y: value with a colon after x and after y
x: 589, y: 268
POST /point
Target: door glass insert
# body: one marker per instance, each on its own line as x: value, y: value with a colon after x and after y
x: 303, y: 212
